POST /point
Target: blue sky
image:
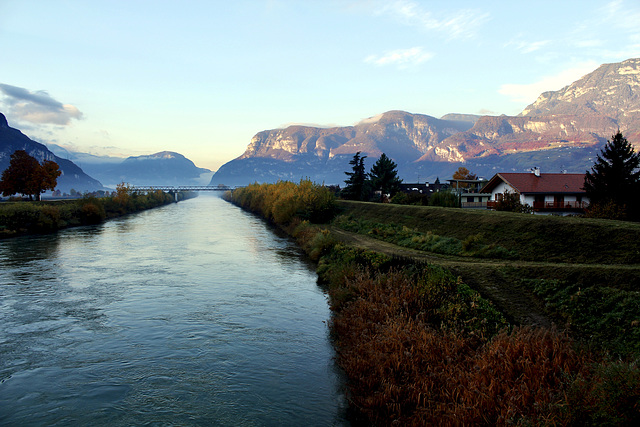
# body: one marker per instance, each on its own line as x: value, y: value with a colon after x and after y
x: 202, y: 77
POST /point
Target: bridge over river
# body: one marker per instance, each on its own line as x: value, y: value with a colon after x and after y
x: 173, y: 189
x: 179, y: 189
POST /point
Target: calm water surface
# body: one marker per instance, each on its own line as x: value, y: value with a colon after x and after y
x: 190, y: 314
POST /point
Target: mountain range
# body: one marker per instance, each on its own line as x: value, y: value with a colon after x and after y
x: 562, y: 130
x: 164, y: 168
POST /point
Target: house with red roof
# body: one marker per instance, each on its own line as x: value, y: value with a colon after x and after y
x: 549, y: 193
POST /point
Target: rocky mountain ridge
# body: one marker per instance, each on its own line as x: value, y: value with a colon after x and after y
x: 563, y: 129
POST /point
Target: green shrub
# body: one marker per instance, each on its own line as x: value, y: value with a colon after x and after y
x: 49, y: 219
x: 510, y: 202
x: 446, y: 199
x: 92, y: 213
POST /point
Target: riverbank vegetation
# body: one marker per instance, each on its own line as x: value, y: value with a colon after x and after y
x: 22, y: 217
x: 420, y: 346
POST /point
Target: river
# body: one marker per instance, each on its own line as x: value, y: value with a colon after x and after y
x: 194, y: 313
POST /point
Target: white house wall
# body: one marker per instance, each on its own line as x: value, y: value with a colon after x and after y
x: 501, y: 188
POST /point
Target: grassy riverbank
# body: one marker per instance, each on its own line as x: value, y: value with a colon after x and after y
x: 585, y: 272
x: 422, y: 345
x: 17, y: 218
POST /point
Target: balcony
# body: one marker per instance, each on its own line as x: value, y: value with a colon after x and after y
x: 550, y: 206
x: 567, y: 206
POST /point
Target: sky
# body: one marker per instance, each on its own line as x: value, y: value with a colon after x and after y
x: 202, y: 77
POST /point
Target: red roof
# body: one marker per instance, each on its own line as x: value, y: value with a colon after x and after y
x: 526, y: 183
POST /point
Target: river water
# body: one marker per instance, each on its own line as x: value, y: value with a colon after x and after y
x: 195, y: 313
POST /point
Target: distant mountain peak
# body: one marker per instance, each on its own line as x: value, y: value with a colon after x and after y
x: 166, y: 155
x: 612, y: 90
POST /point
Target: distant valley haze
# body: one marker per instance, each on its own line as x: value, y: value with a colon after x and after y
x: 202, y: 79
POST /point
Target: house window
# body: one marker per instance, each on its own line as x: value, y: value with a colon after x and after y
x: 471, y: 199
x: 498, y: 197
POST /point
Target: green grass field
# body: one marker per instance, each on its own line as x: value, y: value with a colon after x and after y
x: 581, y: 274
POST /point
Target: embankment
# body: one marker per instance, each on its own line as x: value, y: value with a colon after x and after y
x: 420, y: 346
x: 18, y: 218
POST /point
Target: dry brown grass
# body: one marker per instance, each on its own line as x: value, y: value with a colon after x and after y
x: 406, y: 366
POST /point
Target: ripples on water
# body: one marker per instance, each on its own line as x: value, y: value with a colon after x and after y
x: 190, y: 314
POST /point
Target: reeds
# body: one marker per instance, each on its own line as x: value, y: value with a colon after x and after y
x: 413, y: 360
x: 420, y: 347
x: 283, y: 201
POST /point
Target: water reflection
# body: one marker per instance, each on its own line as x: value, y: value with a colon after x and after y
x: 23, y: 250
x: 191, y: 314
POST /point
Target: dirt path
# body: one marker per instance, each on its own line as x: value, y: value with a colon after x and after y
x: 492, y: 278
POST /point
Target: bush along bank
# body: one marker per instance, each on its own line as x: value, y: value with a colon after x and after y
x: 17, y: 218
x: 419, y: 347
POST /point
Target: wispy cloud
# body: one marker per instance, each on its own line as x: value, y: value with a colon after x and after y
x: 530, y: 92
x: 36, y: 107
x: 460, y: 24
x: 527, y: 46
x: 402, y: 58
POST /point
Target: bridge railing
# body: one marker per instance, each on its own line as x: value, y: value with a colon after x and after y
x: 171, y: 188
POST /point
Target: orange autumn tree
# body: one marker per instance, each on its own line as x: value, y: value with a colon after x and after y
x: 463, y: 173
x: 25, y: 175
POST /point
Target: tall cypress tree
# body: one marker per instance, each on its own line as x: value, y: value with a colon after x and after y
x: 356, y: 183
x: 615, y: 177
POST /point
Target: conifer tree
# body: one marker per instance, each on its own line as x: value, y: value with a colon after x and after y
x: 614, y: 179
x: 356, y: 183
x: 384, y: 176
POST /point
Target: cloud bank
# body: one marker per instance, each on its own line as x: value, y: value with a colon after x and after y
x: 36, y: 107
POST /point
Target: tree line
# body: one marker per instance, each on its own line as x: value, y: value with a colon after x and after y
x: 612, y: 185
x: 382, y: 179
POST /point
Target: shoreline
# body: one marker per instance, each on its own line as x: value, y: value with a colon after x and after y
x: 419, y: 346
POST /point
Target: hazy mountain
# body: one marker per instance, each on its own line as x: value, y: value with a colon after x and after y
x: 562, y: 130
x: 72, y: 176
x: 164, y: 168
x: 81, y: 158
